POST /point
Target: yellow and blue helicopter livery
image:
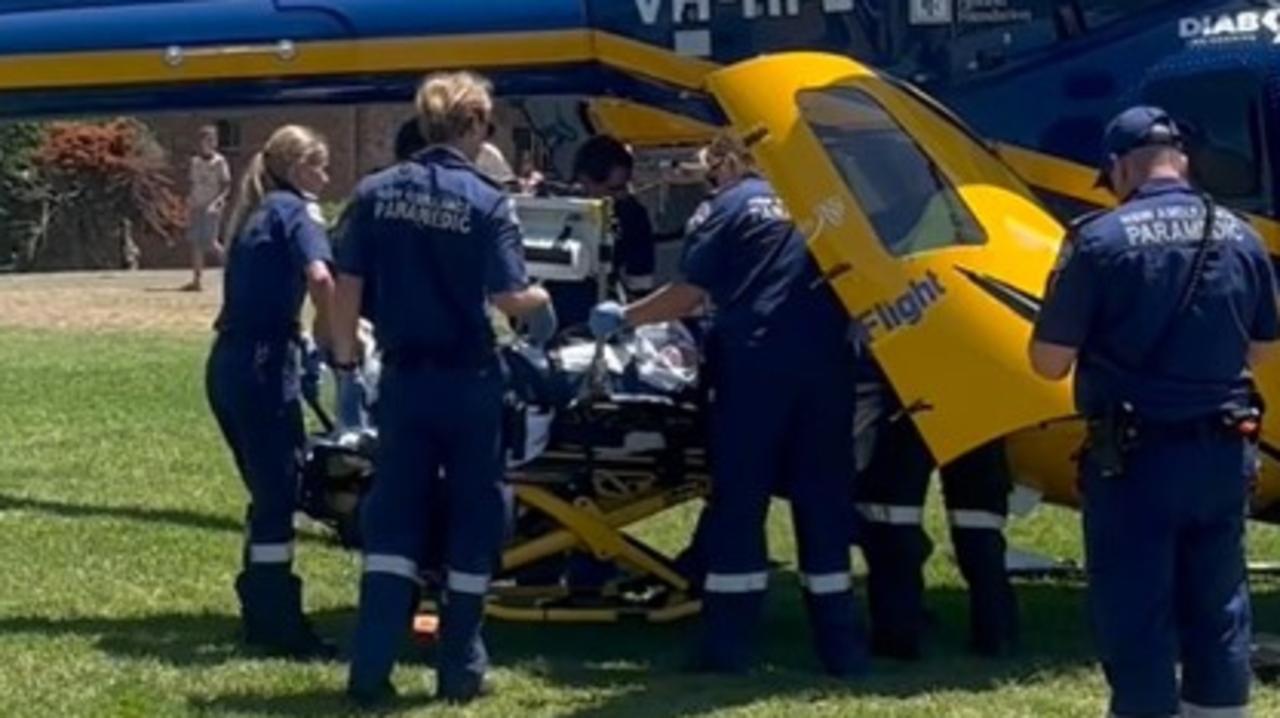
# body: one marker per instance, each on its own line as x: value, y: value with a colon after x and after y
x: 930, y: 238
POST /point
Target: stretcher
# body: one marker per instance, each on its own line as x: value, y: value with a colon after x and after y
x: 613, y: 436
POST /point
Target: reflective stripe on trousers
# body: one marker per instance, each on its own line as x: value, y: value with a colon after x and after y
x: 826, y: 583
x: 892, y: 515
x: 1191, y: 710
x: 271, y: 552
x: 476, y: 584
x: 392, y: 564
x: 971, y: 519
x: 737, y: 582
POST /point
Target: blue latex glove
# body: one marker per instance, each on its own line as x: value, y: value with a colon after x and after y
x: 606, y: 319
x: 541, y: 324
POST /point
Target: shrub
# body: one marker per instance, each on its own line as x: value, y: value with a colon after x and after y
x: 21, y: 188
x: 111, y: 193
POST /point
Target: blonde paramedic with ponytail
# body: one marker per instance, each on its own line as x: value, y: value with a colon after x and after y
x: 279, y: 254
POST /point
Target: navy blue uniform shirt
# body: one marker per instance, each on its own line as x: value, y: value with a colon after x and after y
x: 368, y: 295
x: 265, y: 280
x: 636, y: 253
x: 743, y: 250
x: 1119, y: 280
x: 435, y: 238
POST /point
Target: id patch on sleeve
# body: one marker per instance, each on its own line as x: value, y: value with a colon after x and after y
x: 315, y: 213
x: 512, y: 212
x: 699, y: 217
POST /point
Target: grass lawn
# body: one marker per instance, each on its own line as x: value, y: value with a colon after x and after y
x: 120, y: 534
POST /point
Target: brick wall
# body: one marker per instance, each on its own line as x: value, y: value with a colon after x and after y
x: 360, y: 139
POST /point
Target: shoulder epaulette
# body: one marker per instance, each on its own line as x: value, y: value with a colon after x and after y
x: 1078, y: 222
x: 1241, y: 216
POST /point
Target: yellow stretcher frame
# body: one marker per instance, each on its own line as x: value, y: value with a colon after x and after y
x: 587, y: 527
x: 624, y: 493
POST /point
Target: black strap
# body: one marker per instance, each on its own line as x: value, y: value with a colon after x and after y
x: 1156, y: 349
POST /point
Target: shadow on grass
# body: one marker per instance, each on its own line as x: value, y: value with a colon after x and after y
x: 175, y: 517
x: 177, y: 639
x: 638, y: 668
x: 643, y: 663
x: 307, y: 703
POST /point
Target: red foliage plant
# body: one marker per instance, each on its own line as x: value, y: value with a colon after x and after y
x: 116, y: 168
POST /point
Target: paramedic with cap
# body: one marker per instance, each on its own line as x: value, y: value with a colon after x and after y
x: 278, y: 255
x: 782, y: 408
x: 440, y: 242
x: 1162, y: 320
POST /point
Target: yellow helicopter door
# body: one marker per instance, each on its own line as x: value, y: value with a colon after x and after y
x: 930, y: 240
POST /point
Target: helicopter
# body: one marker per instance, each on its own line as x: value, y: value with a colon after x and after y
x: 934, y: 210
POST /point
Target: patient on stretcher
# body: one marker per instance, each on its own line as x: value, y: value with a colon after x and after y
x: 632, y: 399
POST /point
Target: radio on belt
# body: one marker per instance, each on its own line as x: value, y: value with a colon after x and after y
x: 567, y: 239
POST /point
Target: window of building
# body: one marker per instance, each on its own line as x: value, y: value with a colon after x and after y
x: 228, y: 136
x: 1221, y: 113
x: 910, y: 203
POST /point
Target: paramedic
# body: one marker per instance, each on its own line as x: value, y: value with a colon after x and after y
x: 893, y: 480
x: 1162, y: 305
x: 604, y: 166
x: 602, y: 169
x: 440, y: 242
x: 774, y: 429
x: 279, y: 254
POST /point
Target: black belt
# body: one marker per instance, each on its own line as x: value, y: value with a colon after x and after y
x: 243, y: 337
x: 423, y: 358
x: 289, y: 331
x: 1218, y: 426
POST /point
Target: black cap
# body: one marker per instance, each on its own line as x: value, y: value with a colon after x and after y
x: 1141, y: 126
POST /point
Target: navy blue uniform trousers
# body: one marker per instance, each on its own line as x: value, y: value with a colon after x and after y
x: 432, y: 421
x: 892, y: 493
x: 1167, y: 583
x: 780, y: 424
x: 252, y: 387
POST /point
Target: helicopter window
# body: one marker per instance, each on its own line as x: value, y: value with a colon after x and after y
x: 1224, y: 143
x: 911, y: 204
x: 1102, y: 12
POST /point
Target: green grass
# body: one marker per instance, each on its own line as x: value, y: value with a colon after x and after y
x: 120, y: 533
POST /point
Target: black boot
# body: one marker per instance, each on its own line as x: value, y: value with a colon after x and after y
x: 462, y: 658
x: 386, y: 609
x: 374, y: 698
x: 993, y: 628
x: 895, y: 646
x: 838, y: 633
x: 272, y: 618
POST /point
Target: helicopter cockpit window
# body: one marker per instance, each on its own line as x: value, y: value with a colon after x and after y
x: 909, y: 201
x: 1222, y: 116
x: 1103, y: 12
